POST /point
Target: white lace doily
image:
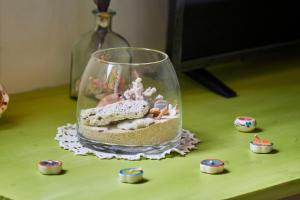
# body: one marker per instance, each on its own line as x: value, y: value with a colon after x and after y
x: 67, y: 139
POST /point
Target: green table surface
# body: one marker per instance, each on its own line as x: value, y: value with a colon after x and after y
x: 268, y: 91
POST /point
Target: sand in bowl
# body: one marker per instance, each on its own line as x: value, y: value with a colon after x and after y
x: 157, y: 133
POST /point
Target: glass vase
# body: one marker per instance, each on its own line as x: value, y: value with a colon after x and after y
x: 101, y: 38
x: 129, y: 102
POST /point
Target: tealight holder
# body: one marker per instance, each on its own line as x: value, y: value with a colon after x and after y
x: 212, y: 166
x: 258, y: 145
x: 131, y: 175
x: 245, y: 123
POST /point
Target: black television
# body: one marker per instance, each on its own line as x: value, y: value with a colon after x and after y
x: 203, y: 31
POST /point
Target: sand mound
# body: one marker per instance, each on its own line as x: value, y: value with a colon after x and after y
x: 161, y: 131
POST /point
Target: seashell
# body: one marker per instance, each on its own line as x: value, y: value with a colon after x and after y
x: 161, y: 104
x: 162, y: 112
x: 109, y: 99
x: 154, y: 111
x: 4, y: 99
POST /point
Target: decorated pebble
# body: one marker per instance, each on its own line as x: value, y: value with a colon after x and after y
x: 258, y: 145
x: 50, y: 167
x: 212, y: 166
x: 245, y: 124
x: 131, y: 175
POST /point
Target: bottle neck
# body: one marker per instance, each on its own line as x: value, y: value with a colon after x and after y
x: 103, y: 21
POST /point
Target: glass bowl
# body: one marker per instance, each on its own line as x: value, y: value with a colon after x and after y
x: 129, y: 102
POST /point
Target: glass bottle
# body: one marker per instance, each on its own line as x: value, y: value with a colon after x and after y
x: 101, y: 38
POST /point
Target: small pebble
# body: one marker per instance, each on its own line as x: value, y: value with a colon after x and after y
x: 50, y: 167
x: 245, y: 124
x: 131, y: 175
x: 212, y: 166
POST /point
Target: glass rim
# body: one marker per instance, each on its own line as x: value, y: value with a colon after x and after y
x: 165, y: 56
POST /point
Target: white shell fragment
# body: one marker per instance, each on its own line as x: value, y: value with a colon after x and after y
x: 135, y: 124
x: 50, y: 167
x: 172, y: 110
x: 245, y: 124
x: 212, y: 166
x: 131, y: 175
x: 4, y: 99
x: 127, y: 109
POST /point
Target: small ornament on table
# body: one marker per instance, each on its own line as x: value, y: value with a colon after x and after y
x: 245, y: 124
x: 4, y: 99
x: 258, y: 145
x: 50, y: 167
x: 212, y: 166
x: 131, y: 175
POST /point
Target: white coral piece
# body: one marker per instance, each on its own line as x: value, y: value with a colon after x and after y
x: 149, y: 91
x: 137, y: 91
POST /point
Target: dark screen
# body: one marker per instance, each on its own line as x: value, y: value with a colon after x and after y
x: 212, y: 27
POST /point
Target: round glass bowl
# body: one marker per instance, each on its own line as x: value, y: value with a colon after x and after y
x: 129, y: 102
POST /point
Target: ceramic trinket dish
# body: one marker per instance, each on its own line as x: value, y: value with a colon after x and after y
x: 258, y: 145
x: 141, y: 111
x: 131, y: 175
x: 245, y: 124
x: 4, y: 99
x: 212, y: 166
x: 50, y: 167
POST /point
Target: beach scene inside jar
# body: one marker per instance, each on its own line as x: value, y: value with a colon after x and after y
x: 133, y: 105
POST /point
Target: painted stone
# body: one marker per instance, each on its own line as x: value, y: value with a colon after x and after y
x: 212, y: 166
x: 131, y: 175
x: 50, y: 167
x: 245, y: 124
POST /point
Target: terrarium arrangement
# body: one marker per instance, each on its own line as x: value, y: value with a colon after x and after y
x: 129, y: 102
